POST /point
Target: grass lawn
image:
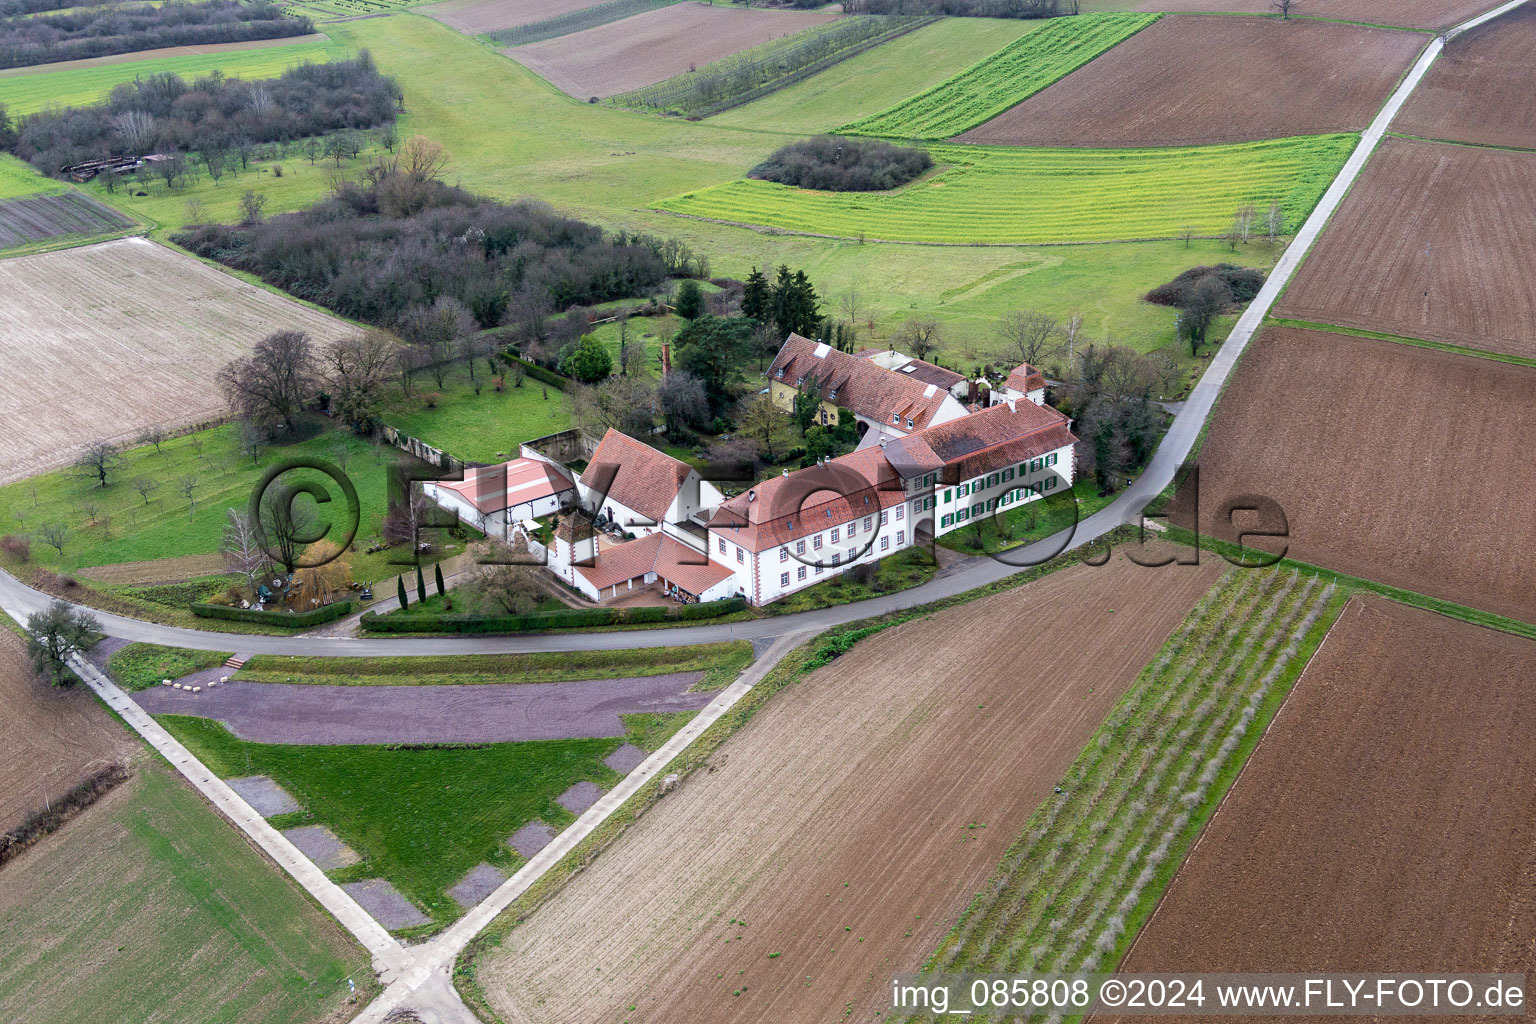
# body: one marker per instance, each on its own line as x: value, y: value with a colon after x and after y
x: 486, y: 427
x: 140, y: 666
x: 510, y: 134
x: 877, y: 78
x: 991, y: 195
x: 721, y: 664
x: 127, y: 527
x: 28, y: 90
x: 421, y: 817
x: 150, y: 907
x: 17, y: 179
x: 901, y: 571
x: 465, y: 601
x: 1027, y: 523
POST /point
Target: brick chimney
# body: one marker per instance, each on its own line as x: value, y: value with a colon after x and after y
x: 666, y: 359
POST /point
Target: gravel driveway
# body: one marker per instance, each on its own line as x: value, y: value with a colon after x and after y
x: 482, y: 713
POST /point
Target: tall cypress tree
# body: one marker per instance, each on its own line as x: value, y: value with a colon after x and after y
x: 437, y: 570
x: 400, y: 589
x: 421, y: 586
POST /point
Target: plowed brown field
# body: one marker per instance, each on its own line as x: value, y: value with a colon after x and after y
x: 51, y: 738
x: 1405, y: 13
x: 1435, y: 241
x: 476, y: 16
x: 656, y: 45
x: 1387, y: 822
x: 1398, y: 464
x: 850, y: 822
x: 1189, y: 80
x: 101, y: 341
x: 1483, y: 87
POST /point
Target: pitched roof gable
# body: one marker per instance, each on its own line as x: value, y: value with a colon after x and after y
x: 858, y: 384
x: 635, y: 475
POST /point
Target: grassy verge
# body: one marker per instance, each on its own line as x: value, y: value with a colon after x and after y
x: 901, y: 571
x: 1029, y: 522
x: 1354, y: 332
x: 720, y: 663
x: 1092, y: 862
x: 148, y: 906
x: 420, y: 816
x: 140, y: 666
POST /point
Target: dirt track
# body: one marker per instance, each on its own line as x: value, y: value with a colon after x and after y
x: 1191, y: 80
x: 1387, y: 822
x: 848, y: 803
x: 1481, y: 88
x: 1394, y: 463
x: 1436, y: 241
x: 477, y: 16
x: 1405, y: 13
x: 485, y: 713
x: 50, y: 738
x: 656, y: 45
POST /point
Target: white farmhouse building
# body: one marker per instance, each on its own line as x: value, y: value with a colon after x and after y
x: 493, y: 499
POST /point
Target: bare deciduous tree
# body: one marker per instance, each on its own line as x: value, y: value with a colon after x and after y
x: 684, y: 404
x: 155, y: 436
x: 422, y: 159
x: 241, y: 547
x: 145, y: 486
x: 1029, y: 336
x: 250, y: 438
x: 270, y: 386
x: 357, y: 372
x: 1274, y: 222
x: 98, y: 460
x: 54, y: 534
x: 187, y: 484
x: 1285, y: 7
x: 253, y: 207
x: 919, y: 336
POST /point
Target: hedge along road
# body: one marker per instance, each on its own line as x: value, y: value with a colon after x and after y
x: 19, y: 600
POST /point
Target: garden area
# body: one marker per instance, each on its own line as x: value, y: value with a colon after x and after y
x: 901, y: 571
x: 1029, y: 522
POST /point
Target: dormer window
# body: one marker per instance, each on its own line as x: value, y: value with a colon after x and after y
x: 799, y: 381
x: 896, y: 419
x: 909, y: 422
x: 780, y: 373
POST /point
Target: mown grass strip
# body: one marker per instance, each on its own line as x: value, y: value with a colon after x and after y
x: 1013, y: 195
x: 140, y: 666
x: 1003, y: 80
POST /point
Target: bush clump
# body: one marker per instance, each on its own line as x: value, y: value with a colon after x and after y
x: 1243, y: 283
x: 835, y: 164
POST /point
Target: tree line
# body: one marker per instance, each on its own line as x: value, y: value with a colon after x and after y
x: 216, y: 118
x: 100, y: 31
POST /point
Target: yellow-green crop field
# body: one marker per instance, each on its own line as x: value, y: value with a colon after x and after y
x: 1001, y: 195
x: 18, y: 179
x: 79, y: 86
x: 1007, y: 78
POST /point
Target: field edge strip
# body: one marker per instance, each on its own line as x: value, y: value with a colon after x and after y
x: 1402, y: 339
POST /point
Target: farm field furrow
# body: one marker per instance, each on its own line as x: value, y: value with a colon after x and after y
x: 872, y: 81
x: 53, y: 738
x: 1367, y: 447
x: 1481, y: 88
x: 1388, y: 817
x: 475, y: 17
x: 654, y: 46
x: 77, y: 83
x: 78, y: 322
x: 1190, y: 80
x: 1004, y: 195
x: 1417, y: 14
x: 150, y: 907
x: 836, y: 837
x: 1007, y: 77
x: 57, y: 216
x: 1458, y: 270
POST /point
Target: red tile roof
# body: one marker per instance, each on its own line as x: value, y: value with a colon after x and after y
x: 643, y: 479
x: 1025, y: 378
x: 918, y: 369
x: 657, y: 553
x: 494, y: 488
x: 783, y: 509
x: 857, y: 384
x: 981, y: 442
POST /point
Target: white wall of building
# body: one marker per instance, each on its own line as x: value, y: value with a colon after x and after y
x: 1015, y: 484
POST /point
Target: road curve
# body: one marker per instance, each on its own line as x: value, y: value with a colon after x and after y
x: 19, y: 600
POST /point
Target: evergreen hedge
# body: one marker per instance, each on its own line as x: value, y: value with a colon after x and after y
x: 297, y: 620
x: 564, y: 618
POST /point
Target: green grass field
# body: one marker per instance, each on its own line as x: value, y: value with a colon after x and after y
x: 1015, y: 195
x: 140, y: 666
x: 1072, y: 892
x: 480, y: 428
x: 1003, y: 80
x: 150, y: 907
x: 1029, y: 522
x: 422, y: 817
x: 721, y: 664
x: 127, y: 528
x: 873, y: 80
x: 27, y: 90
x: 18, y: 179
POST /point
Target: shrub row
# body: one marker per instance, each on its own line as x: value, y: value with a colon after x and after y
x: 565, y: 618
x: 540, y: 374
x: 325, y: 613
x: 44, y: 822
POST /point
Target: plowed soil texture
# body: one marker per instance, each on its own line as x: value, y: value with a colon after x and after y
x: 1481, y: 89
x: 1421, y: 14
x: 837, y: 837
x: 1435, y: 241
x: 1388, y: 817
x: 1398, y: 464
x: 1189, y: 80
